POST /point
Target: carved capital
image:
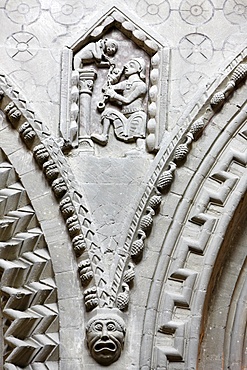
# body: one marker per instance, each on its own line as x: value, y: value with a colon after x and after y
x: 86, y: 81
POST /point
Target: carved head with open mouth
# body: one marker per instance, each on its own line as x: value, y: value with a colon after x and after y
x: 105, y: 336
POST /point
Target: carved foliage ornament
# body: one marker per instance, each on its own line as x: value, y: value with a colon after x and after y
x: 105, y: 300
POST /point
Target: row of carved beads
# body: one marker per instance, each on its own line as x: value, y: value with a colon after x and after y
x: 152, y: 109
x: 136, y: 250
x: 59, y: 188
x: 145, y: 226
x: 68, y: 211
x: 162, y: 185
x: 127, y: 27
x: 78, y: 241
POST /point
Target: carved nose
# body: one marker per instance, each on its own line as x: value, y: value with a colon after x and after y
x: 105, y: 335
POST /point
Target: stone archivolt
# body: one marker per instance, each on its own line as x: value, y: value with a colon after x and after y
x: 99, y: 293
x: 196, y: 242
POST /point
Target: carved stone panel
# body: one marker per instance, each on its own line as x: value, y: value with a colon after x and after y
x: 113, y: 79
x: 111, y: 231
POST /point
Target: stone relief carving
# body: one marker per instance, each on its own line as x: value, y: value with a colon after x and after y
x: 105, y: 336
x: 130, y: 122
x: 98, y: 52
x: 118, y: 294
x: 99, y: 63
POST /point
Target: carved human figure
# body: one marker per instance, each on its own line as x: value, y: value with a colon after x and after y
x: 105, y: 336
x: 98, y: 52
x: 129, y: 123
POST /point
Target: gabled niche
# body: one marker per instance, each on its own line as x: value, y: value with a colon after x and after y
x: 134, y: 42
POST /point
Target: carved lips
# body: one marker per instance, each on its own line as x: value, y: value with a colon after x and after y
x: 105, y: 338
x: 106, y: 351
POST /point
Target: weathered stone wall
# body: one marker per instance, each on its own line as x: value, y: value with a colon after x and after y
x: 136, y: 228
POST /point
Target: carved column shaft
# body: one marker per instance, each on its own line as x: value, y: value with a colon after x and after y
x: 86, y: 81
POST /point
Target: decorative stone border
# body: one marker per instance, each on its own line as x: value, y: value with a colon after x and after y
x: 173, y: 329
x: 50, y: 159
x: 161, y: 180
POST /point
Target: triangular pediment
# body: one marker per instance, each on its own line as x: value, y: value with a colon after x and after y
x: 127, y: 24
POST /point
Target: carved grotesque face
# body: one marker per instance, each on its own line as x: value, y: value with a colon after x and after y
x: 105, y: 338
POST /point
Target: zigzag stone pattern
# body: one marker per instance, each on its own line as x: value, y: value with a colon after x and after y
x: 28, y: 290
x: 163, y: 174
x: 47, y: 153
x: 181, y: 278
x: 193, y: 251
x: 195, y: 239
